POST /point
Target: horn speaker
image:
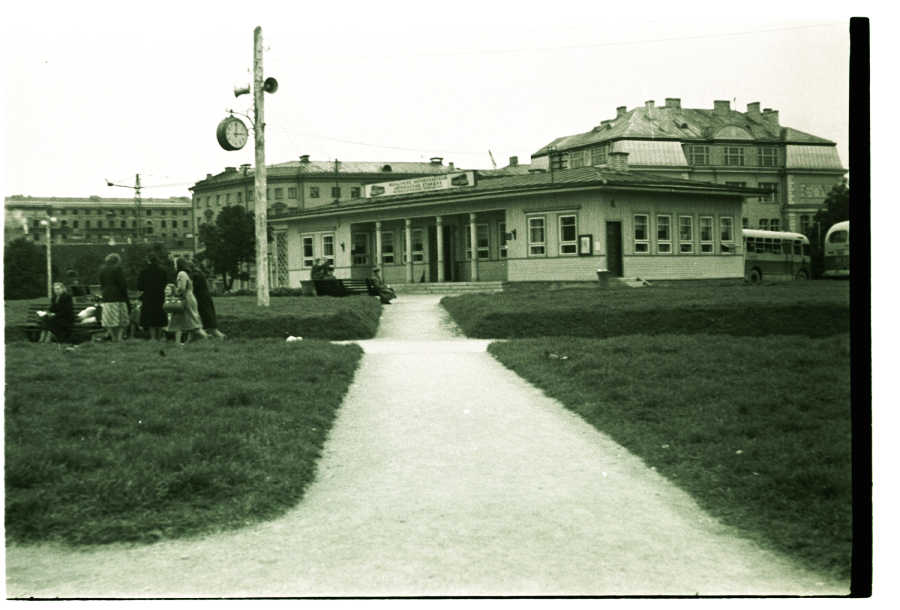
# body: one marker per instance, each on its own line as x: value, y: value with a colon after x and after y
x: 270, y: 85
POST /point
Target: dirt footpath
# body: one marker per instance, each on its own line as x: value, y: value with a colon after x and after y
x: 445, y: 474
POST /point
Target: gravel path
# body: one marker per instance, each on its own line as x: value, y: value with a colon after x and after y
x: 445, y: 474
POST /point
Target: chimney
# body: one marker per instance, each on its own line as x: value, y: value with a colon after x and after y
x: 771, y: 116
x: 208, y: 176
x: 230, y: 170
x: 304, y: 158
x: 673, y: 102
x: 606, y: 124
x: 452, y: 166
x: 245, y: 167
x: 513, y: 161
x: 437, y: 160
x: 721, y: 107
x: 753, y: 109
x: 649, y: 104
x: 617, y: 161
x: 620, y: 111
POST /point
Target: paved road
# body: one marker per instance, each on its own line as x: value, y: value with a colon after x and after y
x: 445, y: 474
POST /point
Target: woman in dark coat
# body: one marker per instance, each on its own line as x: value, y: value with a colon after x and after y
x: 60, y: 318
x: 114, y: 316
x: 152, y: 284
x: 205, y: 304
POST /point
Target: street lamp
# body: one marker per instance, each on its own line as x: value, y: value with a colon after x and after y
x: 47, y: 223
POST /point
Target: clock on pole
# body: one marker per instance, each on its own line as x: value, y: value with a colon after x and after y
x: 231, y: 133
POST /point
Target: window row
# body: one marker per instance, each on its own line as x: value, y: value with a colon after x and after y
x: 567, y: 235
x: 311, y: 252
x: 129, y: 211
x: 702, y: 154
x: 687, y: 241
x: 123, y: 224
x: 315, y: 192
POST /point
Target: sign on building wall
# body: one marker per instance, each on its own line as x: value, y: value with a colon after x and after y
x: 421, y: 185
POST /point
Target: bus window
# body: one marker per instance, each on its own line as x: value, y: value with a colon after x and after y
x: 805, y: 249
x: 838, y: 237
x: 798, y: 248
x: 785, y: 247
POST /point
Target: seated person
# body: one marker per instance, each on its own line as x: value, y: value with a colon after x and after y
x: 59, y: 319
x: 385, y: 292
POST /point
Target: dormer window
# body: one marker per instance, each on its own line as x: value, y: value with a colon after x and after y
x: 386, y: 168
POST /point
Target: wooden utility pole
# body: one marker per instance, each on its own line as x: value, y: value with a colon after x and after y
x: 259, y: 125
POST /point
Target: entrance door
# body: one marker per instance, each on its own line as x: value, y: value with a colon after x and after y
x: 614, y: 248
x: 449, y: 266
x: 432, y: 254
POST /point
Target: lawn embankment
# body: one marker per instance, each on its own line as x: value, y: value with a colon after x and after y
x: 331, y: 318
x: 814, y: 309
x: 756, y: 429
x: 141, y: 441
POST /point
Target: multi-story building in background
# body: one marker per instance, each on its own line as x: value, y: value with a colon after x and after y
x: 718, y: 145
x: 101, y: 220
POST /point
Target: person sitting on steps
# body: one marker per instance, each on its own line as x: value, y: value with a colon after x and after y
x: 385, y: 292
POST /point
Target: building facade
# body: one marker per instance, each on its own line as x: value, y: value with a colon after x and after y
x: 101, y: 220
x: 538, y: 225
x: 720, y: 145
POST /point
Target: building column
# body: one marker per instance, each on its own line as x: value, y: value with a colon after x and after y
x: 409, y: 264
x: 376, y: 257
x: 439, y: 228
x: 473, y: 234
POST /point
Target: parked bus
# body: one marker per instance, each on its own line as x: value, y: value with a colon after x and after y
x: 837, y: 250
x: 775, y: 255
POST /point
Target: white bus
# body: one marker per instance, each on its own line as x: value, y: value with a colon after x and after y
x: 775, y: 255
x: 837, y: 250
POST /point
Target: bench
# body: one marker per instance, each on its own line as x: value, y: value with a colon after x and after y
x: 342, y: 288
x: 80, y: 332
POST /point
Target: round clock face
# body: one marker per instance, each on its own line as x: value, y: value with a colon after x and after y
x: 232, y: 134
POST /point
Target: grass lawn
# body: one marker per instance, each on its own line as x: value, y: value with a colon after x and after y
x: 334, y: 318
x: 140, y: 441
x: 815, y: 308
x: 738, y: 394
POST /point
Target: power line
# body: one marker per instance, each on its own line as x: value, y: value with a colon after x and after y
x: 422, y: 150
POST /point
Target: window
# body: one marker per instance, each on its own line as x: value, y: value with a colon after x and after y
x: 482, y: 235
x: 279, y: 193
x: 686, y: 234
x: 218, y: 197
x: 328, y: 247
x: 706, y: 235
x: 207, y: 201
x: 699, y: 154
x: 839, y: 237
x: 360, y: 248
x: 292, y: 192
x: 227, y: 200
x: 149, y: 212
x: 726, y: 234
x: 75, y: 211
x: 87, y: 224
x: 184, y: 224
x: 314, y: 192
x: 354, y: 192
x: 734, y: 155
x: 775, y: 224
x: 804, y: 223
x: 75, y: 224
x: 576, y: 159
x: 598, y: 155
x: 251, y: 196
x: 336, y: 192
x: 134, y: 224
x: 767, y: 156
x: 772, y: 195
x: 501, y: 238
x: 307, y: 251
x: 184, y: 212
x: 239, y: 197
x: 745, y: 223
x: 568, y: 239
x: 664, y: 234
x: 418, y: 245
x: 641, y: 236
x: 387, y: 248
x: 123, y: 224
x: 536, y: 239
x: 764, y: 223
x: 162, y: 223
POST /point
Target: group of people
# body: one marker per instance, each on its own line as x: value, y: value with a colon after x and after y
x: 196, y: 315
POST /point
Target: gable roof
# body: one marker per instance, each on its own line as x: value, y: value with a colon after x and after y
x: 676, y: 123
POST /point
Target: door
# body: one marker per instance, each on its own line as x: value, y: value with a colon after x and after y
x: 614, y: 248
x: 432, y: 254
x: 449, y: 266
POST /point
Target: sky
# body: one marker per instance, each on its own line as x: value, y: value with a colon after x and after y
x: 104, y: 91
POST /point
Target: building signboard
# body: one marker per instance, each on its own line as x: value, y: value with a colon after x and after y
x: 421, y: 185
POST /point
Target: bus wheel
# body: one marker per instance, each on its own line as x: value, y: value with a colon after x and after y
x: 755, y: 276
x: 802, y: 275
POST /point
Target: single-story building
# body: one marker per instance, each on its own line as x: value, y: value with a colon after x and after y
x: 559, y: 225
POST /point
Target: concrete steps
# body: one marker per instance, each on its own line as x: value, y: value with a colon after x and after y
x: 447, y: 287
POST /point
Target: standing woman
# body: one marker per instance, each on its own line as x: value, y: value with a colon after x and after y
x: 205, y: 305
x: 152, y: 284
x: 60, y: 318
x: 114, y: 296
x: 187, y: 321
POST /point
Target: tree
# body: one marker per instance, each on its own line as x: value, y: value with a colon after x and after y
x: 25, y: 270
x: 230, y: 242
x: 836, y: 208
